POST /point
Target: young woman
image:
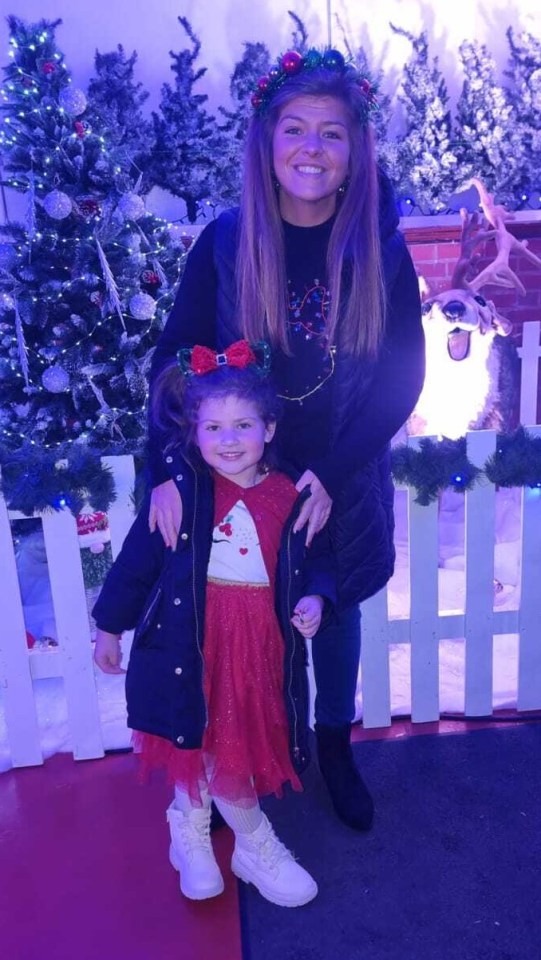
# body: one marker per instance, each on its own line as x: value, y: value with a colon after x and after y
x: 313, y: 262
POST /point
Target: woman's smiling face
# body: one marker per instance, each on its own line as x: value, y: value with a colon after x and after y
x: 310, y: 154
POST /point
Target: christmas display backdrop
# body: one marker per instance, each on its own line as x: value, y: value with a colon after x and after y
x: 88, y: 276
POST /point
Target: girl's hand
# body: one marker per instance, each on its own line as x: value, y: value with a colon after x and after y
x: 166, y: 512
x: 316, y: 509
x: 307, y: 615
x: 107, y: 652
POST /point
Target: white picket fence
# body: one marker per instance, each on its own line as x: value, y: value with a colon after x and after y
x: 423, y: 629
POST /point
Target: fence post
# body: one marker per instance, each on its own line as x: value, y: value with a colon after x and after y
x: 529, y: 354
x: 15, y: 677
x: 529, y: 615
x: 424, y: 609
x: 73, y: 630
x: 479, y: 606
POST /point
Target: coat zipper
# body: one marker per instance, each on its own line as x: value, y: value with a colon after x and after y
x: 196, y: 616
x: 296, y: 750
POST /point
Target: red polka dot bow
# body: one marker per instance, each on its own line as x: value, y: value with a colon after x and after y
x: 204, y: 360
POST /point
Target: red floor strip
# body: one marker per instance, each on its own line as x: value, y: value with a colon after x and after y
x: 85, y: 874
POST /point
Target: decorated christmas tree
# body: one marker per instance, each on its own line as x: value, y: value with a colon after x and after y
x: 187, y: 139
x: 524, y: 96
x: 88, y: 278
x: 489, y: 137
x: 424, y: 164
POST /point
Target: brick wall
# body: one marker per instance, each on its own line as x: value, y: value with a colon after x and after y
x: 435, y: 249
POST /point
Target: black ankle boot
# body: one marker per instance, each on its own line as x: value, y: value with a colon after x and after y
x: 348, y: 792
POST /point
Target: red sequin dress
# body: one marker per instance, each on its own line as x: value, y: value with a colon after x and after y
x: 245, y: 744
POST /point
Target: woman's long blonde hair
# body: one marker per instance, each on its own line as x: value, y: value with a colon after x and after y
x: 354, y: 269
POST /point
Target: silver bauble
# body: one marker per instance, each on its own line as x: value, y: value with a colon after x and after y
x: 73, y: 101
x: 142, y: 306
x: 56, y: 379
x: 131, y: 206
x: 57, y: 205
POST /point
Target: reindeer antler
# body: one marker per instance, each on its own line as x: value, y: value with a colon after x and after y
x: 473, y: 233
x: 499, y: 272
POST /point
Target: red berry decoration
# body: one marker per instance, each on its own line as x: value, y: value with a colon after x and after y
x: 256, y: 100
x: 365, y: 86
x: 48, y: 68
x: 263, y: 83
x: 79, y: 128
x: 291, y: 62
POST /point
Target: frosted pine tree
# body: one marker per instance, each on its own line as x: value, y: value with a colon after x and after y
x: 253, y: 65
x: 488, y: 134
x: 425, y: 170
x: 115, y: 105
x: 524, y: 96
x: 187, y: 139
x: 88, y: 276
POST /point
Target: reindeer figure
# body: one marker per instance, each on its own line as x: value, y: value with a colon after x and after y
x: 472, y: 369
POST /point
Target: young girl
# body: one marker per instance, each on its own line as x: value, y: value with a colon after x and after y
x: 216, y: 682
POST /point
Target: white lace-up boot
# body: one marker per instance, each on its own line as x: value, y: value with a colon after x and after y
x: 191, y: 853
x: 260, y: 858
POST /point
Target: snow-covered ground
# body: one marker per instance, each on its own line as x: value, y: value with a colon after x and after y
x: 51, y: 703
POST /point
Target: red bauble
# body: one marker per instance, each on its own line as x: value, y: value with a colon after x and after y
x: 291, y: 62
x: 150, y: 277
x: 79, y: 128
x: 263, y: 83
x: 48, y: 68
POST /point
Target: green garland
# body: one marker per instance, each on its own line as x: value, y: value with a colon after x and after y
x: 444, y: 464
x: 35, y: 480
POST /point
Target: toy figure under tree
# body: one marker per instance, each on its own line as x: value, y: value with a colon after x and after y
x: 87, y: 279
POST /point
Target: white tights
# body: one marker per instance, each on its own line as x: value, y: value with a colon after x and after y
x: 241, y: 819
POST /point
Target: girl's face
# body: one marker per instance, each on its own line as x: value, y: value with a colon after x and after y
x: 231, y: 436
x: 310, y: 155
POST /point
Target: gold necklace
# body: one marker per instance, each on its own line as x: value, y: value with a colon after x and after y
x: 332, y: 353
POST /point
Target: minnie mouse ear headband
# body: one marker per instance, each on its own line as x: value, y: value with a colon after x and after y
x: 292, y: 63
x: 198, y: 360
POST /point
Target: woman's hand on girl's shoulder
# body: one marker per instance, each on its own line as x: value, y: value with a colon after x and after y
x: 166, y: 512
x: 107, y: 652
x: 316, y: 510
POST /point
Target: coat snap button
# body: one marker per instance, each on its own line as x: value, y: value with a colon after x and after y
x: 180, y: 739
x: 178, y: 671
x: 177, y: 601
x: 297, y: 573
x: 169, y: 459
x: 183, y: 536
x: 179, y: 477
x: 158, y: 626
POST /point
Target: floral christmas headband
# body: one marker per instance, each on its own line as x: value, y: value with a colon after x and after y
x: 293, y: 63
x: 200, y: 360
